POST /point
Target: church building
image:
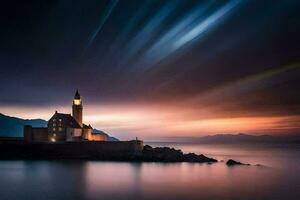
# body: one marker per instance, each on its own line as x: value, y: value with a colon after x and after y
x: 63, y: 127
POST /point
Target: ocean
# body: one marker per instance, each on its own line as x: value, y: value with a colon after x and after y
x: 277, y: 178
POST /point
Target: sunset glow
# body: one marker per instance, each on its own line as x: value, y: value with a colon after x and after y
x: 157, y: 122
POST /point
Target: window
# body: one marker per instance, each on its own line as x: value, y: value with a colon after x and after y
x: 54, y: 124
x: 54, y: 129
x: 54, y: 120
x: 59, y: 129
x: 60, y: 120
x: 54, y: 134
x: 76, y: 102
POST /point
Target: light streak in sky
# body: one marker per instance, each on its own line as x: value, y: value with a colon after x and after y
x: 106, y: 15
x: 163, y: 46
x: 185, y: 32
x: 203, y: 26
x: 244, y: 84
x: 144, y: 35
x: 123, y: 36
x: 190, y: 28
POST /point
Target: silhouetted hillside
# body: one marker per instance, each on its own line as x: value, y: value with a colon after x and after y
x: 13, y: 126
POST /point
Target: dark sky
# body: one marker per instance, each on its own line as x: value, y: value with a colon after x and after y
x: 242, y: 56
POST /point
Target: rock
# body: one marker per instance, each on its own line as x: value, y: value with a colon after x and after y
x: 259, y: 165
x: 147, y: 148
x: 167, y: 154
x: 231, y: 162
x: 191, y: 157
x: 161, y: 154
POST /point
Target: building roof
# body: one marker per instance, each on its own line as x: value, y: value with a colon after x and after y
x: 77, y: 95
x: 87, y: 126
x: 67, y: 119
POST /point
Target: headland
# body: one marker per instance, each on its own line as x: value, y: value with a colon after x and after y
x: 67, y: 137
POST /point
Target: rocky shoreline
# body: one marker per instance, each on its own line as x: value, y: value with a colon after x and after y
x: 167, y: 154
x: 88, y: 151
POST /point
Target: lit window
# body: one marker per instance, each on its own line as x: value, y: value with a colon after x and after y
x: 53, y: 140
x: 54, y: 129
x: 54, y: 124
x: 54, y: 134
x: 60, y: 120
x: 54, y: 120
x: 76, y: 102
x: 59, y: 129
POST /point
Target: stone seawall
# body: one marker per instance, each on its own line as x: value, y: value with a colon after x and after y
x: 120, y: 150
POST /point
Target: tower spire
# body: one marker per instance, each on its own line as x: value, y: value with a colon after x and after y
x: 77, y: 95
x: 77, y: 108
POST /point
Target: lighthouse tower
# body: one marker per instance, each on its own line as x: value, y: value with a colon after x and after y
x: 77, y: 108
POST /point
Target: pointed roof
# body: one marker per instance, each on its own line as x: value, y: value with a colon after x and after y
x: 87, y: 126
x: 68, y: 120
x: 77, y: 95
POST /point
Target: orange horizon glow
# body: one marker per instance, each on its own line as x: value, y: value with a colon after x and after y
x: 153, y: 122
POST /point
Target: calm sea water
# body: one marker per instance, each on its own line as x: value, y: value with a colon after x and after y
x: 71, y: 180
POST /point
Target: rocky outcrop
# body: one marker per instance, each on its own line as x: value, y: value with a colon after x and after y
x: 231, y: 162
x: 167, y: 154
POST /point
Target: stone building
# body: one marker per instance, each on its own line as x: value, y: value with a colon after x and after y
x: 63, y: 127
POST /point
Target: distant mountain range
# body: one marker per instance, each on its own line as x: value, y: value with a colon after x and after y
x: 13, y: 126
x: 243, y: 138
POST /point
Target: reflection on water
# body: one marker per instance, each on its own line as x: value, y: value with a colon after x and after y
x: 120, y: 180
